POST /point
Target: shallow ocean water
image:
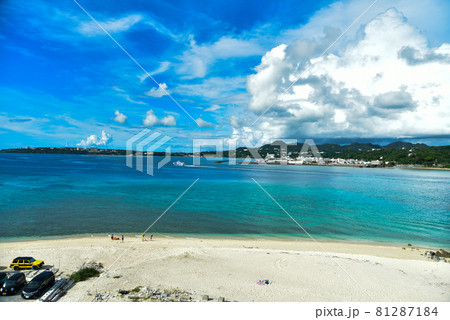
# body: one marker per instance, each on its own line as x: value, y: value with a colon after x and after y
x: 58, y: 195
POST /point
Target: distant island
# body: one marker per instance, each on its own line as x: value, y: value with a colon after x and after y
x: 83, y: 151
x: 396, y: 154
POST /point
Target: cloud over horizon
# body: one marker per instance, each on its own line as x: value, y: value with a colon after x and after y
x: 93, y: 140
x: 388, y: 82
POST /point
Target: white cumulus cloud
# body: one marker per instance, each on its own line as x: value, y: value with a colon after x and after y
x: 93, y: 140
x: 151, y: 120
x: 158, y: 92
x: 169, y: 121
x: 120, y: 117
x: 387, y: 83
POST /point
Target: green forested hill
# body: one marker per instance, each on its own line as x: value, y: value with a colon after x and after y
x: 427, y: 156
x: 403, y: 153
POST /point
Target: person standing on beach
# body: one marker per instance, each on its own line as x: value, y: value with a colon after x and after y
x: 151, y: 237
x: 143, y: 237
x: 122, y: 238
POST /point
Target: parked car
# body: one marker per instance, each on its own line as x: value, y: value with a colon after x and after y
x: 3, y: 277
x: 26, y: 263
x: 13, y: 284
x: 38, y: 285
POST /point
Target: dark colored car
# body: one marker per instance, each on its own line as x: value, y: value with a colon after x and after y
x: 3, y: 278
x: 38, y: 285
x: 13, y: 284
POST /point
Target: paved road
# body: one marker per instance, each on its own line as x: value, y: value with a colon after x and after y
x: 16, y: 298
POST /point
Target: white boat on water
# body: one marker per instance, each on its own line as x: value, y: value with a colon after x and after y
x: 179, y: 164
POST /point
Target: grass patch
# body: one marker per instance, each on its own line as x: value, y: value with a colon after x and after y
x: 84, y: 274
x: 117, y: 277
x: 137, y: 289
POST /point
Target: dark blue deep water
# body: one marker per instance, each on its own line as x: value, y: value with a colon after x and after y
x: 60, y: 195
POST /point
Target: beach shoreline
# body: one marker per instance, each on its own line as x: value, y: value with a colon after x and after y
x: 230, y: 268
x: 241, y: 237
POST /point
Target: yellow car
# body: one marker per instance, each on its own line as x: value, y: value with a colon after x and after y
x: 26, y: 263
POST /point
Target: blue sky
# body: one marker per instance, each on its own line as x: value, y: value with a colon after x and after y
x: 64, y: 81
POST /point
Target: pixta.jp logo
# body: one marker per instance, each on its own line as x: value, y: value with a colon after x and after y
x: 142, y: 146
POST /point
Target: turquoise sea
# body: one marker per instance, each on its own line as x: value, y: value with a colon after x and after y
x: 60, y: 195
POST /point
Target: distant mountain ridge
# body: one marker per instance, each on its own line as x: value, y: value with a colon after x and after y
x: 406, y: 145
x: 332, y: 150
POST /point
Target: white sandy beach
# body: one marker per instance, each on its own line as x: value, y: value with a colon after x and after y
x: 298, y: 270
